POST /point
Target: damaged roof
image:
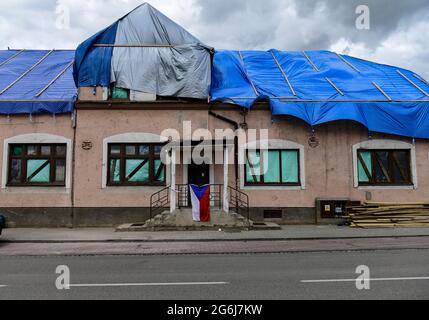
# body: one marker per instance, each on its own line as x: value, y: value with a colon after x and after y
x: 323, y: 86
x: 36, y: 81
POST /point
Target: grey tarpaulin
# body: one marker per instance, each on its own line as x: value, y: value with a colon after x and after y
x: 182, y: 70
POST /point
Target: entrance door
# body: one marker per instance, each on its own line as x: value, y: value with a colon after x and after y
x: 199, y: 174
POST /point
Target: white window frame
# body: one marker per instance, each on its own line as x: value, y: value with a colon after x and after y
x: 273, y: 144
x: 131, y: 137
x: 37, y: 138
x: 384, y: 144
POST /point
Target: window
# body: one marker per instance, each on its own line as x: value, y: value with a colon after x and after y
x: 135, y: 165
x: 37, y: 165
x: 384, y: 167
x: 120, y: 93
x: 273, y: 168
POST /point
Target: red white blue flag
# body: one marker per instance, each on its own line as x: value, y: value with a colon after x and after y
x: 200, y: 197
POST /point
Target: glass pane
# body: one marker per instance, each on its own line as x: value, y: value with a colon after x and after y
x: 382, y: 167
x: 45, y: 150
x: 38, y: 171
x: 16, y: 169
x: 133, y: 175
x: 115, y: 170
x: 130, y: 150
x: 61, y: 150
x: 272, y: 172
x: 158, y: 150
x: 159, y: 171
x: 402, y: 173
x: 115, y: 150
x: 253, y: 174
x: 397, y: 175
x: 290, y: 167
x: 32, y: 150
x: 366, y: 157
x: 119, y: 93
x: 144, y: 150
x: 60, y: 171
x: 17, y: 151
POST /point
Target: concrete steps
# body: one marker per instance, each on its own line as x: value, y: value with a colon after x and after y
x: 182, y: 220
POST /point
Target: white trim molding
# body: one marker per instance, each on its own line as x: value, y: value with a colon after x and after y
x: 131, y: 137
x: 37, y: 138
x: 385, y: 145
x: 273, y: 144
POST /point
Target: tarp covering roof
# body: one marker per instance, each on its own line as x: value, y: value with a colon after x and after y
x: 36, y: 81
x: 146, y: 51
x: 322, y: 86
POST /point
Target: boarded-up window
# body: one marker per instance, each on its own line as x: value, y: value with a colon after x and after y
x: 37, y: 165
x: 384, y: 167
x: 135, y: 165
x: 273, y: 167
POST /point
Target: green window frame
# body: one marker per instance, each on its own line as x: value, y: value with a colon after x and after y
x: 384, y: 167
x: 135, y: 165
x: 118, y: 93
x: 281, y: 168
x: 37, y: 165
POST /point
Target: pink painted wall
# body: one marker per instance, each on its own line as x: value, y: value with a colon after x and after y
x: 30, y: 196
x: 329, y: 167
x: 95, y: 126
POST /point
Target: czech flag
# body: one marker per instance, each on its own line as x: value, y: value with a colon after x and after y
x: 200, y: 197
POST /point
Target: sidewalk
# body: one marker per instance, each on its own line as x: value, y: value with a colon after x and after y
x: 287, y: 233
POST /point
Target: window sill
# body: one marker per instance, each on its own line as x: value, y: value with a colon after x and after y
x: 122, y: 189
x: 273, y: 188
x: 36, y: 190
x: 366, y: 188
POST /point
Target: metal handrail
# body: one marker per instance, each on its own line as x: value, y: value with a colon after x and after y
x: 159, y: 201
x: 240, y: 201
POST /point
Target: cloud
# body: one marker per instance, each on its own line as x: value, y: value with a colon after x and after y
x: 396, y: 36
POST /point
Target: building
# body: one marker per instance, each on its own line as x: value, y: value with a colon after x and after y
x: 339, y: 129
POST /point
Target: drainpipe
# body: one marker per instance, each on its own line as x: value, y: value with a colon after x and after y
x: 73, y: 173
x: 236, y: 126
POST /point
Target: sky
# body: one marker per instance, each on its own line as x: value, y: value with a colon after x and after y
x: 397, y: 34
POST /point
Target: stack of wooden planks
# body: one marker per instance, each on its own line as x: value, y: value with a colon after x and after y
x: 389, y: 215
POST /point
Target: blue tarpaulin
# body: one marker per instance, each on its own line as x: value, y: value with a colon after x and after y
x: 36, y: 81
x: 322, y: 86
x: 93, y: 64
x: 148, y: 52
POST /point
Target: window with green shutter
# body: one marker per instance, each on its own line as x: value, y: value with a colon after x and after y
x: 273, y: 168
x: 120, y: 93
x: 384, y: 167
x: 136, y: 165
x: 37, y: 165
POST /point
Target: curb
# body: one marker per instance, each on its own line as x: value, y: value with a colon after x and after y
x: 204, y: 240
x: 214, y: 253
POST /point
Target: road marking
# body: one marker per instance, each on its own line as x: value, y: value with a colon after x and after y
x: 149, y: 284
x: 373, y: 279
x: 2, y: 286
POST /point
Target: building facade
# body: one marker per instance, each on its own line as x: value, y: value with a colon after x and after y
x: 114, y: 140
x: 104, y: 142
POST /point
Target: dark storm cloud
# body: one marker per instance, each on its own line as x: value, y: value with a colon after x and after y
x: 398, y: 33
x: 386, y: 16
x: 332, y: 19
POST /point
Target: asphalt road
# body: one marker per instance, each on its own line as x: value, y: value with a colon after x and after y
x: 210, y: 247
x: 399, y: 274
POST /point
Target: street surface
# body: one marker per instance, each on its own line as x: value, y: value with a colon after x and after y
x: 212, y: 247
x: 401, y: 274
